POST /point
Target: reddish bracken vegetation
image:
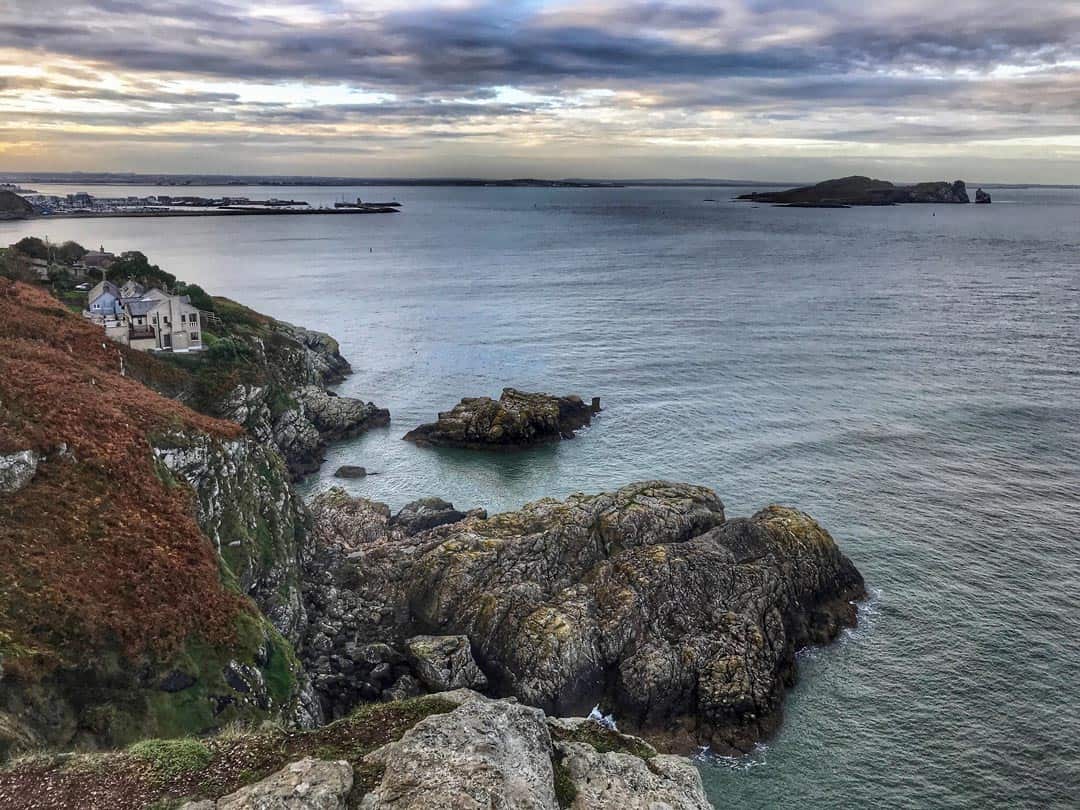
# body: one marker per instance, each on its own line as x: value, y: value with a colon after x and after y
x: 96, y: 552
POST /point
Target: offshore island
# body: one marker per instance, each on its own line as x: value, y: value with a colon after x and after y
x: 179, y: 628
x: 846, y: 192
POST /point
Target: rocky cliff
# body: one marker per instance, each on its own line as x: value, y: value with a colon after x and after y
x: 271, y: 377
x: 514, y: 421
x: 647, y: 601
x: 857, y: 190
x: 119, y: 619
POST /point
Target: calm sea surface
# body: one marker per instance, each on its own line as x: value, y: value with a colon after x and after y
x: 910, y: 376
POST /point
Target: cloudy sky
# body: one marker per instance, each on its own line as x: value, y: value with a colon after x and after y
x: 771, y: 89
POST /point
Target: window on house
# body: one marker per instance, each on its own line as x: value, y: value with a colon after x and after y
x: 195, y: 336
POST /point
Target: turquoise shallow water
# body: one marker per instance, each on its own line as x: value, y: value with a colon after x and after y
x: 907, y: 375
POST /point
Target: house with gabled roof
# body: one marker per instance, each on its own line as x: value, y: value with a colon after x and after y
x: 147, y: 320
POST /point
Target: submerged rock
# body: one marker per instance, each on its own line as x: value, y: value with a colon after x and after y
x: 646, y: 601
x: 514, y: 421
x: 349, y: 471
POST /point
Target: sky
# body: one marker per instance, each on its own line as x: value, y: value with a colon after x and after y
x: 762, y: 89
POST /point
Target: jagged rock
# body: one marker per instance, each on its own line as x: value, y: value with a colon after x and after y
x: 646, y: 601
x: 628, y: 782
x: 982, y: 197
x: 322, y: 358
x: 424, y: 514
x: 349, y: 471
x: 445, y: 662
x: 17, y: 469
x: 484, y: 754
x: 302, y: 433
x: 309, y: 784
x: 247, y: 507
x: 339, y: 417
x: 516, y: 420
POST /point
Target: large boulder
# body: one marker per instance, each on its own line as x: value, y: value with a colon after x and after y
x: 424, y: 514
x: 308, y: 784
x: 646, y: 601
x: 613, y: 779
x: 514, y: 421
x: 493, y: 754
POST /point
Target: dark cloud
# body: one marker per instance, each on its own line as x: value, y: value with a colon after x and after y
x: 824, y: 69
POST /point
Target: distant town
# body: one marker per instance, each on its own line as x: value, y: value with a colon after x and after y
x: 84, y: 204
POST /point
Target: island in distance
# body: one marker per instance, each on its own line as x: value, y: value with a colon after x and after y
x: 515, y: 421
x: 857, y: 190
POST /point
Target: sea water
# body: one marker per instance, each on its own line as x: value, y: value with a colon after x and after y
x: 910, y: 376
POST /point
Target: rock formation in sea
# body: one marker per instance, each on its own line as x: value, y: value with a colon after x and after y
x: 858, y: 190
x: 515, y: 421
x: 982, y: 197
x: 647, y: 601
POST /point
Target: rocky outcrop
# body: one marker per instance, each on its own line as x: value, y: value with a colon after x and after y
x: 647, y: 601
x: 274, y: 384
x: 482, y: 754
x: 308, y: 784
x: 455, y: 750
x: 982, y: 197
x: 319, y: 417
x: 347, y: 668
x: 247, y: 507
x: 515, y: 421
x: 17, y: 469
x: 498, y: 753
x: 444, y: 663
x: 858, y: 190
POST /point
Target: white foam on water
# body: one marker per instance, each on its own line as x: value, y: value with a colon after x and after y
x: 606, y: 720
x: 743, y: 762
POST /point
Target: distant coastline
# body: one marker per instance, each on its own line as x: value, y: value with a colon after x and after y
x: 182, y: 180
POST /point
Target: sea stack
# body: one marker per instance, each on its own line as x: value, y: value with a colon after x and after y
x: 515, y: 421
x: 982, y: 198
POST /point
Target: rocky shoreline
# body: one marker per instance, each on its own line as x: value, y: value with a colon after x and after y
x: 390, y: 642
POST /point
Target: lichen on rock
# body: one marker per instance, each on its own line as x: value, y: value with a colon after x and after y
x: 515, y: 421
x: 646, y: 600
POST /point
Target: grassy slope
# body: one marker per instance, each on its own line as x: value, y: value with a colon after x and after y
x: 163, y: 773
x: 103, y: 567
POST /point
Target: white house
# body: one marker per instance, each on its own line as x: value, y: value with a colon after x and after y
x: 148, y: 320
